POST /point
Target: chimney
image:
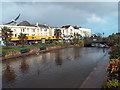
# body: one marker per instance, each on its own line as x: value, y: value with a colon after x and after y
x: 45, y: 24
x: 36, y: 24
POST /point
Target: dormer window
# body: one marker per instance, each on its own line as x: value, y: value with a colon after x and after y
x: 45, y: 29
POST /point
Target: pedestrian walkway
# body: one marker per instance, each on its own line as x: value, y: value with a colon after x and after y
x: 97, y: 77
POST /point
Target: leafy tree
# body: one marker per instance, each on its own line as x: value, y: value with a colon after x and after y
x: 76, y: 38
x: 78, y: 35
x: 114, y: 39
x: 57, y: 33
x: 6, y: 35
x: 23, y: 39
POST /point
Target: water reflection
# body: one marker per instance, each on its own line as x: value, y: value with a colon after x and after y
x: 103, y: 50
x: 43, y: 58
x: 9, y: 73
x: 58, y: 59
x: 24, y: 67
x: 58, y: 68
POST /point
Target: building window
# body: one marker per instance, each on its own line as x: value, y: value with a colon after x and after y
x: 33, y: 30
x: 14, y: 30
x: 45, y: 33
x: 23, y: 30
x: 45, y: 29
x: 71, y: 30
x: 15, y: 35
x: 27, y: 30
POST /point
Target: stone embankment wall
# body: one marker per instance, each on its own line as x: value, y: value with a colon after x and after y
x: 16, y: 53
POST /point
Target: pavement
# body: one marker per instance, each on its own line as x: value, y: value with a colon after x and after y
x: 98, y: 76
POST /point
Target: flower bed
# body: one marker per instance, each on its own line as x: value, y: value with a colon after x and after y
x: 113, y: 70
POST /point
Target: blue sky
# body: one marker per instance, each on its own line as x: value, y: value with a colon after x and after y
x: 98, y: 16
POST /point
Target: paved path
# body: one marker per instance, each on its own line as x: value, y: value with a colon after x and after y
x: 97, y: 76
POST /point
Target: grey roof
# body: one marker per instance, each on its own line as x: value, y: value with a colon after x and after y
x: 67, y: 26
x: 24, y: 23
x: 43, y: 26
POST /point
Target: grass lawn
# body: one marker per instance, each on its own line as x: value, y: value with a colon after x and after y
x: 29, y: 47
x: 17, y: 48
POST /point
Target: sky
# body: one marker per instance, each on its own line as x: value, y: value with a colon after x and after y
x: 98, y: 16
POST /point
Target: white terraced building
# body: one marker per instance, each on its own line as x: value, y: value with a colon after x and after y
x: 44, y: 30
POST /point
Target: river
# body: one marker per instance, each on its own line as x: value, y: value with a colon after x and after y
x: 64, y: 68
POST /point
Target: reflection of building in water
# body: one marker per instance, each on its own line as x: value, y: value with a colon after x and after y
x: 104, y: 50
x: 68, y: 55
x: 43, y: 58
x: 52, y: 55
x: 76, y: 53
x: 48, y: 56
x: 58, y: 59
x: 39, y: 59
x: 24, y: 67
x: 8, y: 73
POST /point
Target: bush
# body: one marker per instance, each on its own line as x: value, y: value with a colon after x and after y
x: 81, y: 43
x: 115, y: 53
x: 51, y: 44
x: 59, y: 43
x: 113, y: 84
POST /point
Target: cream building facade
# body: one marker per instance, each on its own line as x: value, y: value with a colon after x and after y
x: 29, y: 30
x: 47, y: 31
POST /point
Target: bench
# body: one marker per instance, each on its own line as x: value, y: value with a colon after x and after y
x: 42, y: 48
x: 2, y: 54
x: 24, y: 50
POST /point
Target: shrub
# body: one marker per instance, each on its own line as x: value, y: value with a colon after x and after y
x: 113, y: 84
x: 81, y: 43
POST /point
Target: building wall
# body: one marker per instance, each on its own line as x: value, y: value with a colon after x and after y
x: 39, y: 31
x: 85, y: 32
x: 30, y: 31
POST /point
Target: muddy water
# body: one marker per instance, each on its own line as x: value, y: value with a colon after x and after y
x: 64, y: 68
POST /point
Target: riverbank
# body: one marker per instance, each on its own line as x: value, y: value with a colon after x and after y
x: 113, y: 69
x: 98, y: 76
x: 16, y: 53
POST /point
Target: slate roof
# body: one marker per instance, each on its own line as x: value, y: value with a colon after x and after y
x: 67, y: 26
x: 42, y: 26
x: 26, y: 23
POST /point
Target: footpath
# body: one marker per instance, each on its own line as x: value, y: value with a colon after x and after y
x: 98, y: 76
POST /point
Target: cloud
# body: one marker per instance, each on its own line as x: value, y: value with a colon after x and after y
x: 63, y: 13
x: 56, y: 13
x: 94, y: 19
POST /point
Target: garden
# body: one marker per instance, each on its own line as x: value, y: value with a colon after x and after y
x: 113, y: 69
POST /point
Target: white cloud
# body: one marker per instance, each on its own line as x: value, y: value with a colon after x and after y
x: 94, y: 19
